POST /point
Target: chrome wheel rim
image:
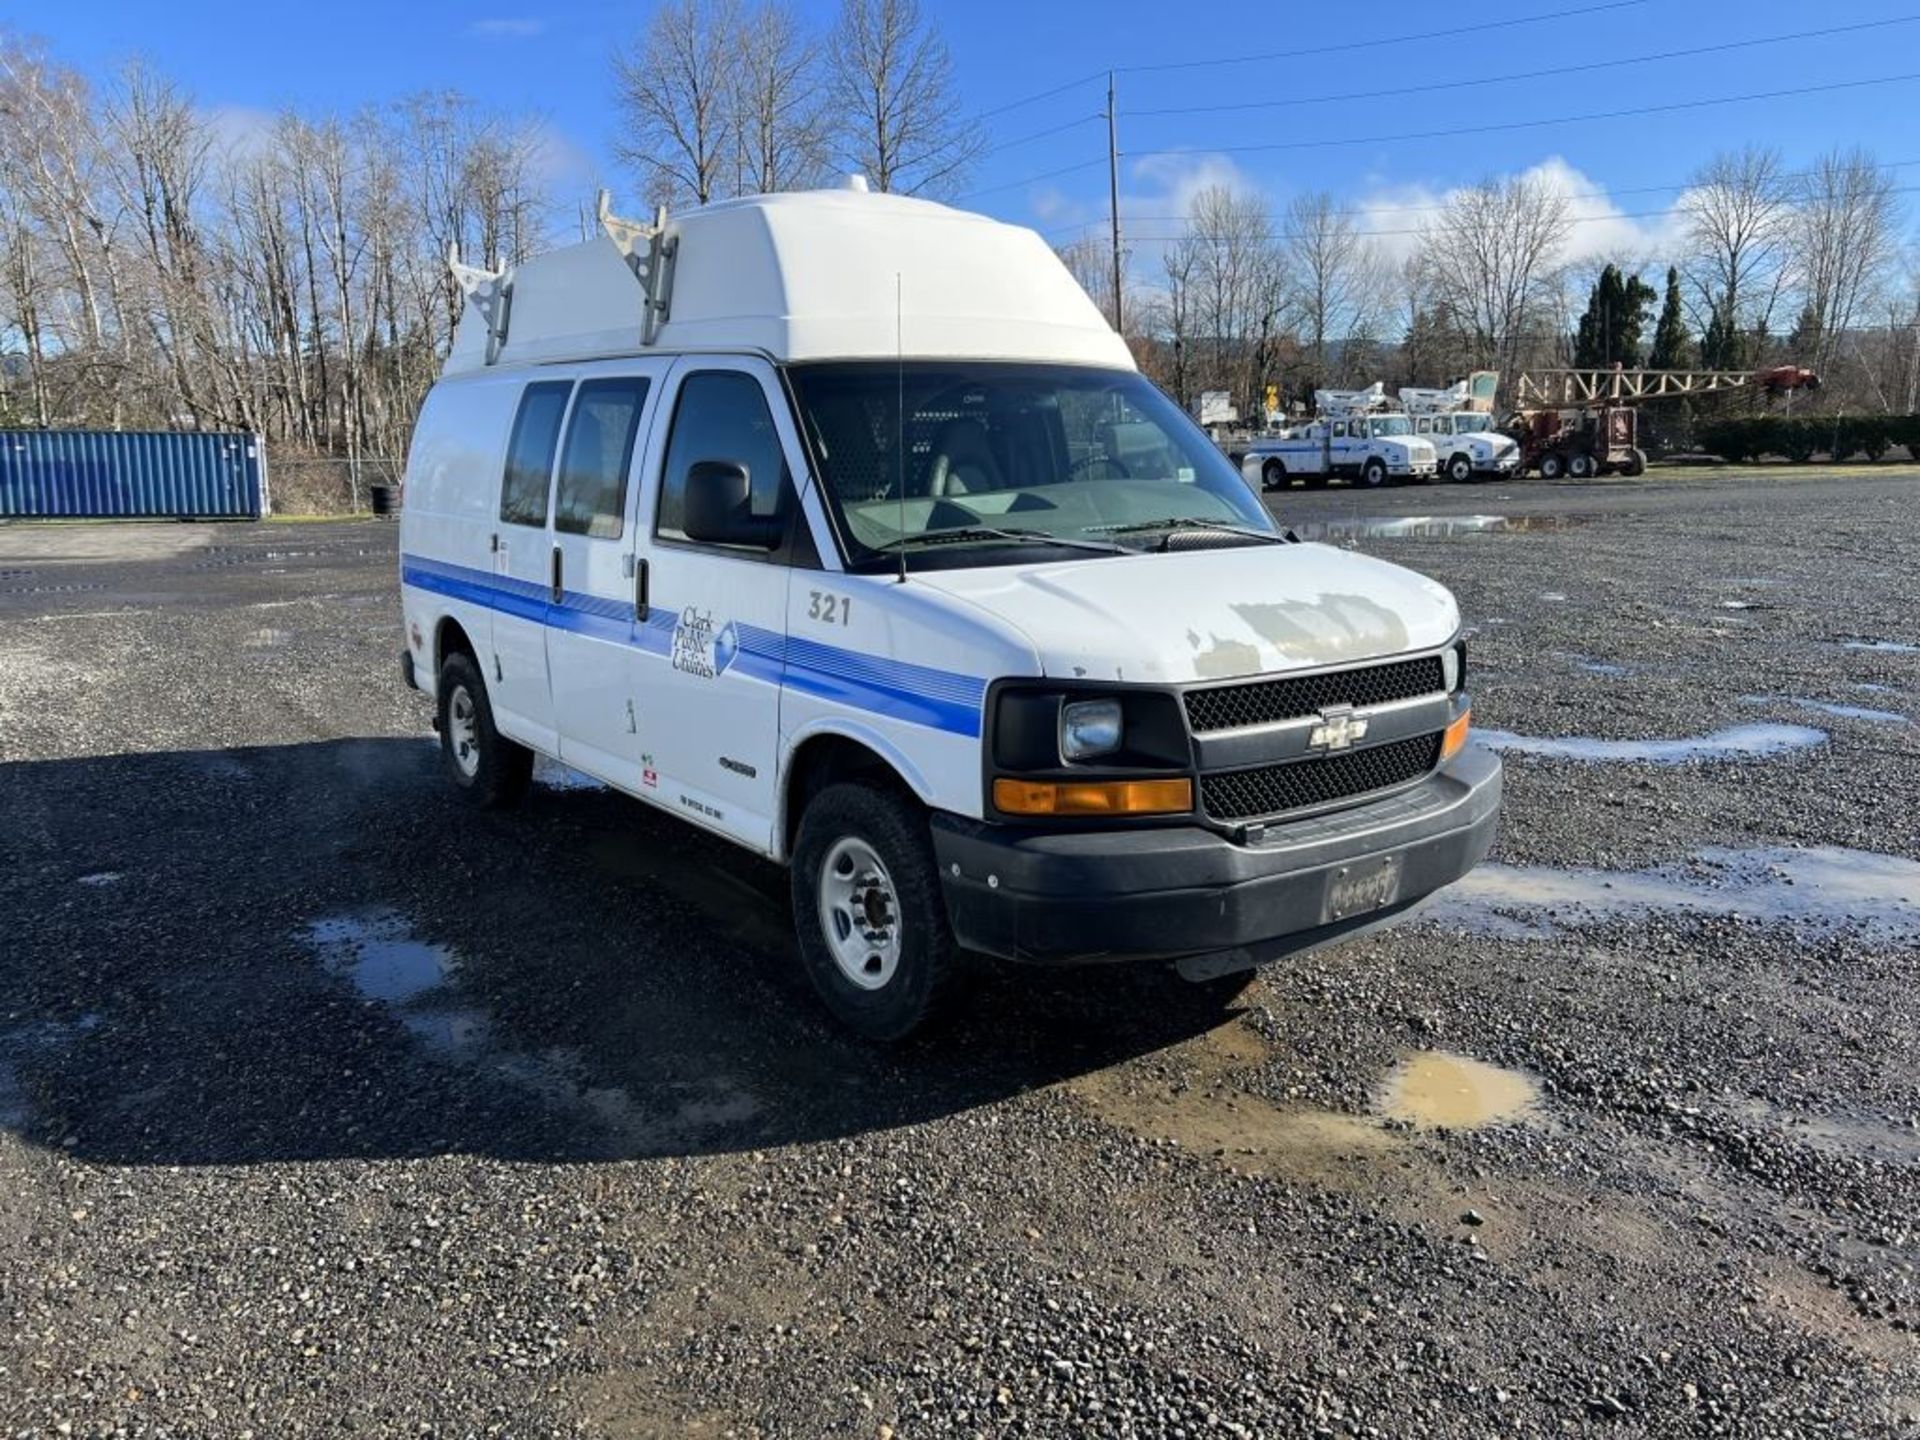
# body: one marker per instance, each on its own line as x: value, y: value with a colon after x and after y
x: 860, y: 913
x: 463, y: 732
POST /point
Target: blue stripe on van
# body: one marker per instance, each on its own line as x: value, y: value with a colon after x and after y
x: 898, y: 689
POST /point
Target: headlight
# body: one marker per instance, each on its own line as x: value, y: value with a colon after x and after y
x: 1089, y: 728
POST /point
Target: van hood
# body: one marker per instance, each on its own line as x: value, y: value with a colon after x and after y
x: 1209, y: 614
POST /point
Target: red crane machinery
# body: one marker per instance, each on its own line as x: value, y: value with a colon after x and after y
x: 1582, y: 422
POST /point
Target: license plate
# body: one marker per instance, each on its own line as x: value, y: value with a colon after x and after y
x: 1356, y: 889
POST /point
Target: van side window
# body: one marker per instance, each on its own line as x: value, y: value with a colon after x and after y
x: 721, y: 415
x: 591, y: 496
x: 536, y: 431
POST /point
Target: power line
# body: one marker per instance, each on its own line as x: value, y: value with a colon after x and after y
x: 1457, y: 131
x: 1373, y: 44
x: 1363, y: 211
x: 1347, y: 47
x: 1511, y: 78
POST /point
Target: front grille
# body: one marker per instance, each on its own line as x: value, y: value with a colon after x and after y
x: 1276, y: 789
x: 1265, y: 702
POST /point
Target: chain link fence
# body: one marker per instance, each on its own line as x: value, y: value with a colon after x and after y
x: 327, y: 484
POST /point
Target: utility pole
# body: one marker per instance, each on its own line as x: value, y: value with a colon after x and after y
x: 1113, y: 201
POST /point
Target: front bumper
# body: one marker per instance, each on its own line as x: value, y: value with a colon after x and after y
x: 1188, y: 894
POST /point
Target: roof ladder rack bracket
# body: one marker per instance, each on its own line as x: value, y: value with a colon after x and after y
x: 650, y: 253
x: 489, y: 292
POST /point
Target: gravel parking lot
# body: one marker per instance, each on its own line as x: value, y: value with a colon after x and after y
x: 327, y: 1106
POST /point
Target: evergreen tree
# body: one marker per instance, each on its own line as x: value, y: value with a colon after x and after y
x: 1670, y: 343
x: 1722, y: 347
x: 1616, y: 314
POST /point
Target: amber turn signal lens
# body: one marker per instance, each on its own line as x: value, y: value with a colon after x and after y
x: 1107, y: 797
x: 1455, y: 740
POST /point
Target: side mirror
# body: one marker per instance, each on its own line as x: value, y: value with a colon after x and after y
x: 719, y: 508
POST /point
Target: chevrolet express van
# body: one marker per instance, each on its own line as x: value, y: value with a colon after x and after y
x: 841, y: 525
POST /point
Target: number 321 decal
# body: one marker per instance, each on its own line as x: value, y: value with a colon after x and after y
x: 828, y: 608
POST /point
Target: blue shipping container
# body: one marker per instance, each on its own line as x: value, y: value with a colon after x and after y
x: 100, y: 473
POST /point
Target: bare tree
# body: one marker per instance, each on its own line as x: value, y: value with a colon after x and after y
x: 779, y: 123
x: 1489, y: 261
x: 893, y: 89
x: 1842, y: 239
x: 1736, y: 212
x: 678, y: 94
x: 1335, y: 274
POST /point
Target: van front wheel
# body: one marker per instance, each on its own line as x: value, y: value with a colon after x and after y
x: 872, y: 923
x: 489, y: 770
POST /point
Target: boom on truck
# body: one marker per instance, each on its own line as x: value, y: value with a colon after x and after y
x: 1458, y: 420
x: 1582, y: 422
x: 1349, y: 436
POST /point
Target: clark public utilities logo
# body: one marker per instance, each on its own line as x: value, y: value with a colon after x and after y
x: 697, y: 650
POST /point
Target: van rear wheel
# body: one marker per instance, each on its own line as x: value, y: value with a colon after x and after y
x: 872, y: 923
x: 490, y: 771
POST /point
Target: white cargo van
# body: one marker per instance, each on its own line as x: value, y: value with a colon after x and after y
x: 842, y: 526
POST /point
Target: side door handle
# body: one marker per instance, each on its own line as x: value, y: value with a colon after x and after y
x: 555, y: 577
x: 640, y: 606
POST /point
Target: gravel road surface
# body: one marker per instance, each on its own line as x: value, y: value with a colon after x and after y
x: 328, y: 1107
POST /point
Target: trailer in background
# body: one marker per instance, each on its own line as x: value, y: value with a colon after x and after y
x: 132, y: 474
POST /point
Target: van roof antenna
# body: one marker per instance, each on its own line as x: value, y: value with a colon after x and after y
x: 649, y: 252
x: 900, y: 422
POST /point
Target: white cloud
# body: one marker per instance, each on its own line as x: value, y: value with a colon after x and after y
x: 1602, y: 228
x: 513, y: 27
x: 240, y: 131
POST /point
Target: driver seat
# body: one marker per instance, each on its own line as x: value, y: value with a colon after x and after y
x: 963, y: 462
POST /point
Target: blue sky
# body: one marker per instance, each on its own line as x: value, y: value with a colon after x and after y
x: 243, y: 60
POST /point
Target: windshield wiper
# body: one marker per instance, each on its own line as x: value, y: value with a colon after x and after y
x: 962, y: 534
x: 1188, y: 522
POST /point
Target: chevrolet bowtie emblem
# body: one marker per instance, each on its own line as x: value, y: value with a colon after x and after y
x: 1337, y: 730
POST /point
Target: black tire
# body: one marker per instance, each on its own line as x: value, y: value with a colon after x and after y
x: 493, y: 772
x: 1373, y: 474
x: 1552, y: 465
x: 1460, y: 469
x: 1636, y: 465
x: 893, y: 827
x: 1582, y: 466
x: 1273, y: 475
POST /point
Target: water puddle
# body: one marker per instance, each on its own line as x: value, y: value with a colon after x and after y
x: 418, y: 983
x: 100, y: 877
x: 1612, y: 669
x: 555, y: 776
x: 1435, y: 1090
x: 1852, y: 1137
x: 380, y: 956
x: 1829, y: 707
x: 1426, y: 527
x: 1736, y: 742
x: 1825, y: 889
x: 267, y: 638
x: 1884, y: 647
x: 22, y: 1045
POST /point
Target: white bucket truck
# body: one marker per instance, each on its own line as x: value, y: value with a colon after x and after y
x: 1469, y: 446
x: 841, y: 525
x: 1350, y: 437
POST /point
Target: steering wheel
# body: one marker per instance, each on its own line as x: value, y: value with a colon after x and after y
x: 1120, y: 471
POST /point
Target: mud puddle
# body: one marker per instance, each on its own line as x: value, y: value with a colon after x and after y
x: 1436, y: 1090
x: 1822, y: 889
x: 1611, y: 669
x: 1884, y: 647
x: 1736, y: 742
x: 1426, y: 527
x: 1202, y: 1105
x: 1885, y: 1141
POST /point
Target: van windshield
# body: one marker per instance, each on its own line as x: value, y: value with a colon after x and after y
x: 964, y: 454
